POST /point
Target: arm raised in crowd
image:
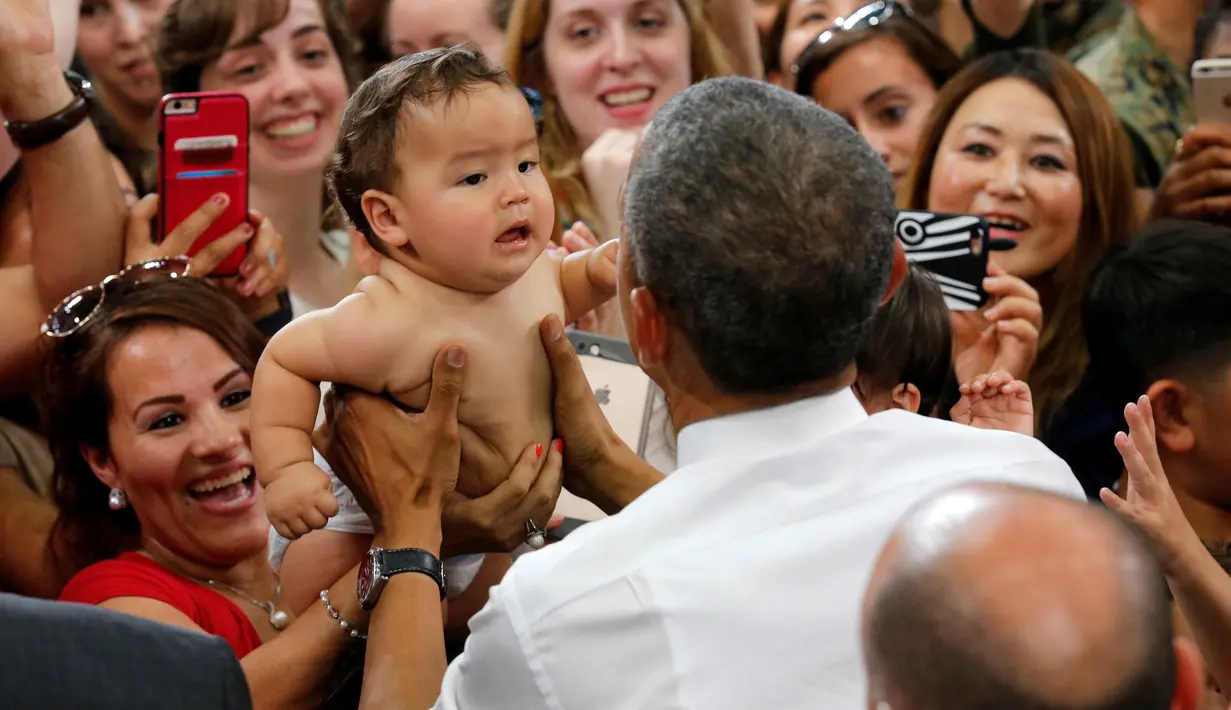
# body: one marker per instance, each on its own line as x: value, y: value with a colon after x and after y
x: 1201, y: 588
x: 77, y: 209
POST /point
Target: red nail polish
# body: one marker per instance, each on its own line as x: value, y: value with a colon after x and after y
x: 221, y: 200
x: 538, y: 451
x: 559, y: 446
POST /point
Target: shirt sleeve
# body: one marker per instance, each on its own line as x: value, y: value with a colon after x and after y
x: 495, y: 670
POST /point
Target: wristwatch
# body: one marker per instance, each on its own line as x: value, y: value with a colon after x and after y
x: 28, y: 135
x: 381, y: 564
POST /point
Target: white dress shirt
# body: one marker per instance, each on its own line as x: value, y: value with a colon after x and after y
x: 737, y: 581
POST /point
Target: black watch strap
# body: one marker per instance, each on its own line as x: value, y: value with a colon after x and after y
x: 414, y: 560
x: 28, y: 135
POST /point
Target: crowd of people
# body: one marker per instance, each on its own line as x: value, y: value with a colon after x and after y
x: 343, y: 469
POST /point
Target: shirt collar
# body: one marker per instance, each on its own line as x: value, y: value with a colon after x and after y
x: 763, y: 431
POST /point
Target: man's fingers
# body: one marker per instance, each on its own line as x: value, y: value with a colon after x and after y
x: 448, y: 375
x: 566, y: 369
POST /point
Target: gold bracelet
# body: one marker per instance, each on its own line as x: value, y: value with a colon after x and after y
x: 346, y: 626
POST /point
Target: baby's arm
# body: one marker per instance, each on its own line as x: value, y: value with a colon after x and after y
x: 588, y: 279
x: 355, y: 343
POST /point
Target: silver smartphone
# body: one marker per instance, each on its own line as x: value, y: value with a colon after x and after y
x: 623, y: 391
x: 1212, y: 90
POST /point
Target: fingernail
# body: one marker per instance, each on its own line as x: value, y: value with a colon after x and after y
x: 245, y: 288
x: 246, y: 228
x: 538, y: 451
x: 559, y: 446
x: 555, y: 330
x: 221, y: 199
x: 247, y: 269
x: 991, y: 313
x: 456, y: 357
x: 989, y: 282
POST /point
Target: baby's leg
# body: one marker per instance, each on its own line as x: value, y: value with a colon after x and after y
x: 315, y: 561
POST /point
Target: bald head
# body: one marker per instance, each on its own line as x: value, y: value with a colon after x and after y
x: 1006, y: 597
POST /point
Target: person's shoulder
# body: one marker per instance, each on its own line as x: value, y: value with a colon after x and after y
x: 129, y: 575
x: 914, y: 446
x: 114, y: 660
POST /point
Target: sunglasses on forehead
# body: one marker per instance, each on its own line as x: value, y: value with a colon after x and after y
x: 80, y: 306
x: 870, y: 15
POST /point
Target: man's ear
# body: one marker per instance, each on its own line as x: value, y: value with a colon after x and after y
x: 650, y: 326
x: 387, y: 216
x: 1175, y: 406
x: 906, y: 396
x: 102, y: 466
x: 898, y: 274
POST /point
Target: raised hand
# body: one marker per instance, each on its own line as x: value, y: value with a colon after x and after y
x: 26, y: 30
x: 1149, y: 502
x: 995, y: 401
x: 605, y: 165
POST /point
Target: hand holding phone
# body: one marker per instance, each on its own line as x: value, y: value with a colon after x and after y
x: 953, y: 249
x: 203, y: 152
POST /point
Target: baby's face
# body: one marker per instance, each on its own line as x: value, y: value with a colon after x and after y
x: 479, y: 207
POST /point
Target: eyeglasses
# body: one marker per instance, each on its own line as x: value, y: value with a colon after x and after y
x: 80, y: 306
x: 870, y: 15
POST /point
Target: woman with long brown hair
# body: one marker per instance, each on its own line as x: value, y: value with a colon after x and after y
x: 603, y: 70
x: 1023, y: 139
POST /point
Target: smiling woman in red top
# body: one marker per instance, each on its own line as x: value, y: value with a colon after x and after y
x: 161, y: 516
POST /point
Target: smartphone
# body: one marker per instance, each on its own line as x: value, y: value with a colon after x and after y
x: 1212, y: 90
x: 202, y: 151
x: 620, y: 386
x: 953, y: 249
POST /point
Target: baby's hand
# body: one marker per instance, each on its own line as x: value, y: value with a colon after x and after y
x: 601, y: 268
x: 996, y: 401
x: 299, y: 501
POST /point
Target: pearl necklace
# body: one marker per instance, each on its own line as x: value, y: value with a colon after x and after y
x: 277, y: 618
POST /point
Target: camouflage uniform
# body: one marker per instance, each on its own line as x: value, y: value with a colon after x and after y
x: 1150, y: 92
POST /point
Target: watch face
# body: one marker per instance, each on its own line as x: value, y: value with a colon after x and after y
x: 366, y: 577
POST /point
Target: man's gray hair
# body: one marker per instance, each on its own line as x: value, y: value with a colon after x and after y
x: 764, y: 225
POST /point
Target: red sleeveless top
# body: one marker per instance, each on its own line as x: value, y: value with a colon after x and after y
x: 134, y: 575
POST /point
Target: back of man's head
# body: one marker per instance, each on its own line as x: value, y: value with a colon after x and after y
x: 1008, y: 598
x: 764, y: 225
x: 1161, y: 309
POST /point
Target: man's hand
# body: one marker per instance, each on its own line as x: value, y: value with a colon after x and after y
x: 401, y: 467
x: 995, y: 401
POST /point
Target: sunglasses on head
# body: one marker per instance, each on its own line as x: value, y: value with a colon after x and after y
x: 80, y: 306
x: 869, y: 15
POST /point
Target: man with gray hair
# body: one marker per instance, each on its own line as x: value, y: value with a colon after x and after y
x: 997, y: 596
x: 757, y: 245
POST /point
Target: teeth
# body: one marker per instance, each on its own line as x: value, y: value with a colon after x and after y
x: 625, y: 98
x: 292, y: 129
x: 217, y: 483
x: 1010, y: 224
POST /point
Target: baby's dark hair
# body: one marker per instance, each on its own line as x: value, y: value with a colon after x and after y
x: 910, y: 343
x: 371, y: 124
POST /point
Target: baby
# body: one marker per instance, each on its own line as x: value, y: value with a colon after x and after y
x: 437, y: 166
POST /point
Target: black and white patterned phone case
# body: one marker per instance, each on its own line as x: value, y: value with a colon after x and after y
x: 953, y: 250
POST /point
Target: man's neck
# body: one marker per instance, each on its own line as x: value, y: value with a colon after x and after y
x: 1171, y: 23
x: 696, y: 404
x: 137, y: 122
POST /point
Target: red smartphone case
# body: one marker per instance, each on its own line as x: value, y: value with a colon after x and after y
x: 201, y: 153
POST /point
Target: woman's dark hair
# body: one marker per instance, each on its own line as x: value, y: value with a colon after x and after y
x: 910, y: 343
x: 1105, y: 168
x: 77, y: 405
x: 771, y: 49
x: 926, y: 48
